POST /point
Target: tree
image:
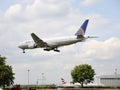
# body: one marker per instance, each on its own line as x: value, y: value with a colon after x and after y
x: 6, y: 73
x: 2, y: 60
x: 83, y: 74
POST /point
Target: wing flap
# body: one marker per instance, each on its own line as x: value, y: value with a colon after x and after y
x: 38, y: 41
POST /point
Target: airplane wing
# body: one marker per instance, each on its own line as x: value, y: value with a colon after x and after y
x: 38, y: 41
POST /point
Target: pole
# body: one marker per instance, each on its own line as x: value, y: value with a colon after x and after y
x: 28, y: 78
x: 42, y: 78
x: 115, y: 78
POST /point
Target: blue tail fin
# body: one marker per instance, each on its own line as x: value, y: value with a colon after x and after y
x: 82, y: 29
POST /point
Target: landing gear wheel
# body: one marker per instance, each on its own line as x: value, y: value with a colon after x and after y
x: 56, y: 50
x: 23, y: 51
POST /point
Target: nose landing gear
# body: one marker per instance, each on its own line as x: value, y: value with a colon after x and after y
x: 23, y: 50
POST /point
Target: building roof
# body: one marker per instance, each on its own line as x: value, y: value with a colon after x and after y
x: 109, y: 76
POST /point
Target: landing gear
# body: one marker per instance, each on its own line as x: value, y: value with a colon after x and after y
x: 46, y: 49
x: 23, y: 50
x: 56, y: 50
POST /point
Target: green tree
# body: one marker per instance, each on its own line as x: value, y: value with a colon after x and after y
x: 2, y: 60
x: 83, y: 74
x: 6, y: 73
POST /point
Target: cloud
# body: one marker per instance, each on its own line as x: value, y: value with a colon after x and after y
x: 97, y: 50
x: 46, y: 9
x: 13, y: 12
x: 37, y: 9
x: 89, y: 2
x: 31, y: 18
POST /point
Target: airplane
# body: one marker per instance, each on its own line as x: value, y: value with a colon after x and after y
x: 49, y: 45
x: 63, y: 81
x: 66, y: 84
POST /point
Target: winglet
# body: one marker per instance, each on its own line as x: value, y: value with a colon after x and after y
x: 82, y: 29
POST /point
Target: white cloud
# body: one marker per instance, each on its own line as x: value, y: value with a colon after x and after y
x: 89, y: 2
x: 106, y: 50
x: 37, y: 15
x: 46, y: 9
x: 13, y: 11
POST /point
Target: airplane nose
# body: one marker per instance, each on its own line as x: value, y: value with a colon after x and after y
x: 23, y: 46
x: 20, y: 46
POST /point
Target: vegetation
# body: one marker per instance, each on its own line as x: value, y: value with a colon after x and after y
x: 39, y: 87
x: 6, y: 73
x: 83, y: 74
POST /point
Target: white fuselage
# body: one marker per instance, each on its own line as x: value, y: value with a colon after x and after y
x: 52, y: 43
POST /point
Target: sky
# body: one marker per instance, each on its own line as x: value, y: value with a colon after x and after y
x: 57, y: 18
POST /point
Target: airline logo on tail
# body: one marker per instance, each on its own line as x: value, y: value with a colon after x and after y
x: 63, y: 81
x: 82, y: 29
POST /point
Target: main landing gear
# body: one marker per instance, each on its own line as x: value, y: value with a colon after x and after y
x: 56, y: 50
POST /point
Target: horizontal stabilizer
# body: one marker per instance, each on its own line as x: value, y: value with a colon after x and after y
x: 92, y: 37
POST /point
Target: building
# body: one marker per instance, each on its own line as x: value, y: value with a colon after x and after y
x: 109, y: 80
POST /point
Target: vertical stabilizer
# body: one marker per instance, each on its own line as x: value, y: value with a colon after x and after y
x: 63, y: 81
x: 82, y: 29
